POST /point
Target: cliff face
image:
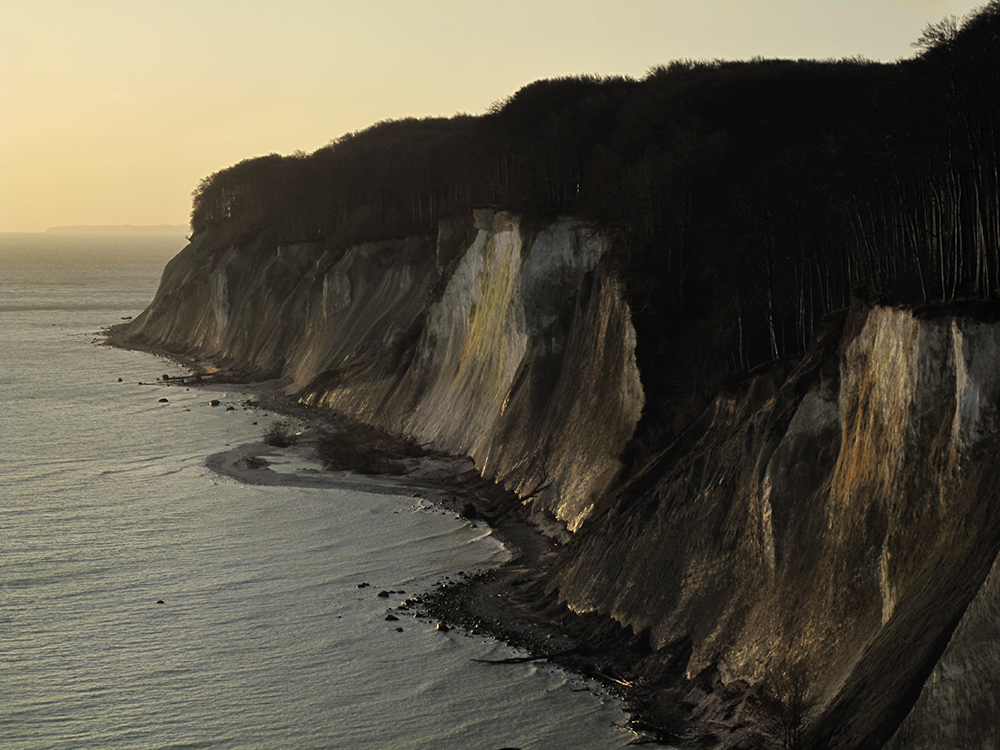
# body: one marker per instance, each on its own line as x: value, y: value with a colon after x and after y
x: 831, y: 519
x: 835, y: 530
x: 958, y: 705
x: 270, y: 309
x: 489, y: 340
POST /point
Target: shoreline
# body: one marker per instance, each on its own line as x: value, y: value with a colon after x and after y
x: 502, y: 602
x: 496, y: 601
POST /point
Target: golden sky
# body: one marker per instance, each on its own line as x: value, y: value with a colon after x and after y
x: 111, y: 111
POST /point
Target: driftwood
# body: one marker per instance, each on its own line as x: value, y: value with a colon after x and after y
x: 526, y: 659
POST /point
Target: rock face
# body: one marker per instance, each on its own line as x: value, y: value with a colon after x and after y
x: 508, y: 344
x: 958, y: 704
x: 835, y: 527
x: 833, y: 517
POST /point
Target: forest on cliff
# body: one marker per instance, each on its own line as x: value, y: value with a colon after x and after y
x: 744, y: 200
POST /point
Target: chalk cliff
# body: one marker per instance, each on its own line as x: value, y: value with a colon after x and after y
x: 493, y: 340
x: 835, y: 528
x: 832, y: 517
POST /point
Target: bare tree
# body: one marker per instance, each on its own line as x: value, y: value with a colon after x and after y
x: 788, y: 691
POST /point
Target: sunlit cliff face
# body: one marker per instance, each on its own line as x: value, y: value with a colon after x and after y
x: 524, y: 348
x: 839, y: 529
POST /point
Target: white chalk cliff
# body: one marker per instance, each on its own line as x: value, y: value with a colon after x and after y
x: 509, y: 345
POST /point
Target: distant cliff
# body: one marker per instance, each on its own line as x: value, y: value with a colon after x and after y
x: 830, y: 517
x: 491, y: 339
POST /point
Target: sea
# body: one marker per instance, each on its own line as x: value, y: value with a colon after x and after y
x: 146, y: 602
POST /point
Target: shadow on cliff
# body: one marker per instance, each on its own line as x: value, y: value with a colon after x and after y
x: 839, y: 517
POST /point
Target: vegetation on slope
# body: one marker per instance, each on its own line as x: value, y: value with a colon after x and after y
x: 745, y: 200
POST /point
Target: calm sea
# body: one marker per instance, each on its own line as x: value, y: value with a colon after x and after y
x: 263, y: 639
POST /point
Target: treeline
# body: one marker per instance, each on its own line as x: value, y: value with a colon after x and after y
x: 745, y: 199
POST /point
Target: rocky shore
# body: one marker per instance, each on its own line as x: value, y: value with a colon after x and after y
x: 501, y: 602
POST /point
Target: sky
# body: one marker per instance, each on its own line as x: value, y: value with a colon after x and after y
x: 112, y: 111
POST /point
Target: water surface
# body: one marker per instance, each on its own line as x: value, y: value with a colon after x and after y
x: 263, y: 638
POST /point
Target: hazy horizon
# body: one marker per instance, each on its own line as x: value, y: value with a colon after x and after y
x: 111, y: 112
x: 119, y: 229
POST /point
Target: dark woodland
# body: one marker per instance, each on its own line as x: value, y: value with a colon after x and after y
x: 744, y: 200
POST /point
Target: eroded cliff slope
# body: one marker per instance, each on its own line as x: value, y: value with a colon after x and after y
x: 831, y: 518
x: 834, y: 530
x: 494, y: 340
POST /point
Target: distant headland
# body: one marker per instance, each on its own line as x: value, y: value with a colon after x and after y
x: 120, y: 229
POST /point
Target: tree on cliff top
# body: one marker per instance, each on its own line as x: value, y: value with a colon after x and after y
x: 744, y: 200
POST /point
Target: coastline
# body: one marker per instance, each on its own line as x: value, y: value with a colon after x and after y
x: 501, y: 601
